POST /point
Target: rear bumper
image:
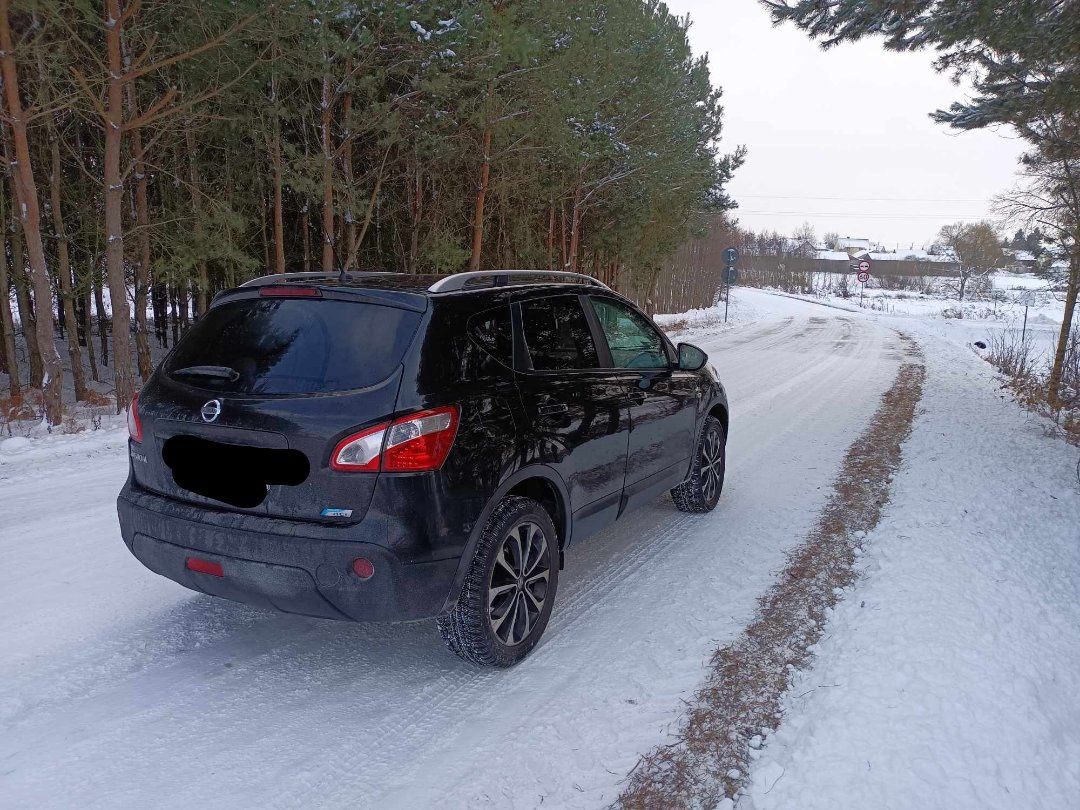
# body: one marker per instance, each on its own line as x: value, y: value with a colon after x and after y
x: 285, y: 572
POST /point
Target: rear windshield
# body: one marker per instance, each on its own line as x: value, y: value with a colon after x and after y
x: 292, y: 346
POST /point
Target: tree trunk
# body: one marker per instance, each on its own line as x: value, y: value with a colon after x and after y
x: 18, y: 276
x: 27, y: 200
x: 88, y: 327
x: 114, y: 211
x: 202, y: 275
x: 63, y: 269
x: 264, y: 205
x: 327, y: 182
x: 25, y: 305
x: 347, y: 166
x: 276, y: 164
x: 1058, y: 367
x: 102, y: 319
x: 160, y: 302
x: 175, y: 313
x: 8, y: 324
x: 307, y: 239
x: 417, y: 211
x: 142, y: 267
x: 575, y: 230
x: 481, y: 196
x: 356, y: 239
x: 551, y: 236
x: 279, y: 226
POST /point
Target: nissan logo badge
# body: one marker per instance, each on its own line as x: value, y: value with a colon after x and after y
x: 211, y: 410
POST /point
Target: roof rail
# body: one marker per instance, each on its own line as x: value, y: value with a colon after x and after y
x: 500, y: 278
x: 281, y: 278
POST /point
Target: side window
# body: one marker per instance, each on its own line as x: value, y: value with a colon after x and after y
x: 557, y: 334
x: 492, y: 330
x: 634, y: 342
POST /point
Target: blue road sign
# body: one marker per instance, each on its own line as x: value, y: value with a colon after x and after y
x: 731, y: 256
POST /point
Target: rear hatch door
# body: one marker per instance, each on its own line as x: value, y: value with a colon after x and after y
x: 244, y: 413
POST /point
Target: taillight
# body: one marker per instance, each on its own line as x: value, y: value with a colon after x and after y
x: 419, y: 442
x: 134, y: 423
x: 359, y: 452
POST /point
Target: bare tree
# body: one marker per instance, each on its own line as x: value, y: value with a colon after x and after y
x: 976, y: 249
x: 1049, y: 196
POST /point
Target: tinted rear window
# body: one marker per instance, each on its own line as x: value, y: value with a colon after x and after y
x: 292, y: 346
x: 557, y: 334
x: 493, y: 331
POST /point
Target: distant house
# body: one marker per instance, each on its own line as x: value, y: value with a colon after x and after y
x: 1019, y: 261
x: 850, y: 244
x: 911, y: 256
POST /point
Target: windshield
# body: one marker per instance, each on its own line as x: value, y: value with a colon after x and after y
x: 292, y: 346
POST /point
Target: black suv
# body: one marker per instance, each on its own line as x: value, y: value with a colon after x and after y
x: 388, y: 447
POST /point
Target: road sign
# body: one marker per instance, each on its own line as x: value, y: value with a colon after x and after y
x: 731, y: 256
x: 731, y: 275
x: 1027, y: 298
x: 864, y: 267
x: 864, y: 276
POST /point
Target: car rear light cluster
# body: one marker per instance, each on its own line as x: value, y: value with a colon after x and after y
x: 134, y: 423
x: 419, y: 442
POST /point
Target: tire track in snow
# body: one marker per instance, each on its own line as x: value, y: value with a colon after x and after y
x: 335, y: 691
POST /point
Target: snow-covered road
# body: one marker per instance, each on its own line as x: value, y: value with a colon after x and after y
x: 120, y: 688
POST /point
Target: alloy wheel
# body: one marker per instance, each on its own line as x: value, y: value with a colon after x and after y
x: 712, y: 464
x: 518, y: 585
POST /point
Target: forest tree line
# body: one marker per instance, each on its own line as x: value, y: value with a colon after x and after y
x: 157, y: 151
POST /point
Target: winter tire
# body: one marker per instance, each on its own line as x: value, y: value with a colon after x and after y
x: 701, y: 491
x: 507, y: 596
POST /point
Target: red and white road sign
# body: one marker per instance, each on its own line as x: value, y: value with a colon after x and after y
x: 864, y: 276
x: 864, y: 267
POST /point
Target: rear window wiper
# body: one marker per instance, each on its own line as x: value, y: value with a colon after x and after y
x: 217, y: 372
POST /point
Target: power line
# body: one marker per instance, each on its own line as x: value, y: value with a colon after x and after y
x: 858, y: 199
x: 849, y: 215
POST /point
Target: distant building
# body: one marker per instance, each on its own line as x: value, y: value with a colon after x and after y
x: 850, y: 244
x: 1019, y: 261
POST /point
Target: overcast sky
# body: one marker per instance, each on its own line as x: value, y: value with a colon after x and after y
x: 842, y: 138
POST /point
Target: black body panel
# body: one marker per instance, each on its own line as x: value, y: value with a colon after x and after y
x: 600, y: 441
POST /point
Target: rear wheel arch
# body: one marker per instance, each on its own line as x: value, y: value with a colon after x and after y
x: 536, y: 478
x: 542, y: 490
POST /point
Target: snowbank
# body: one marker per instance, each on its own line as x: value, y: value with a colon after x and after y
x: 949, y: 676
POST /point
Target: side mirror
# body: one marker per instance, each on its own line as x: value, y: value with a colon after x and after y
x: 691, y: 358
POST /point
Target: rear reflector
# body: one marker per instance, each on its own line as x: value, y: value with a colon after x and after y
x: 204, y: 567
x: 363, y: 568
x: 287, y: 291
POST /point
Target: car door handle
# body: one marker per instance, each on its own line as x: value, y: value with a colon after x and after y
x: 553, y: 409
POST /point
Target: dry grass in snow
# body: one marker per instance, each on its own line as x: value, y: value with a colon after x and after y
x: 740, y: 701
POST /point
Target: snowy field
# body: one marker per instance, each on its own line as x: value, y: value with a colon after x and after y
x: 981, y: 317
x: 948, y: 676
